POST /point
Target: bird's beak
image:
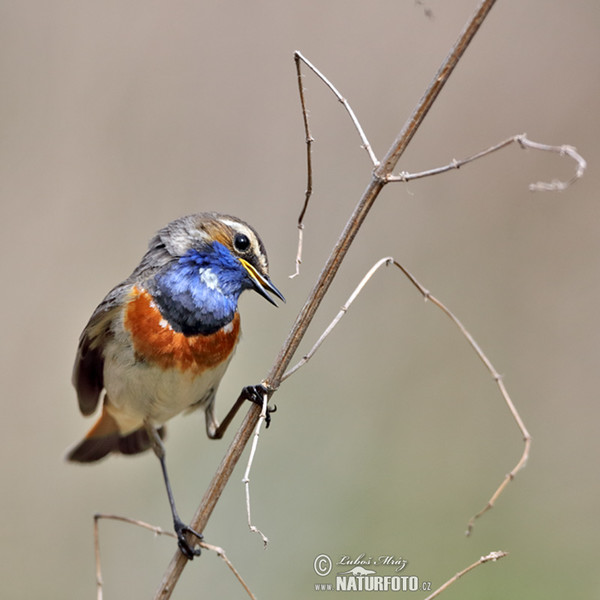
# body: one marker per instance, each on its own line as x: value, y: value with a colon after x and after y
x: 261, y: 283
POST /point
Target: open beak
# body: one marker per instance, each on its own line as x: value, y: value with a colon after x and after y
x: 261, y: 283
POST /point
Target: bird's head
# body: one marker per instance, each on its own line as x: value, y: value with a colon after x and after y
x: 201, y: 264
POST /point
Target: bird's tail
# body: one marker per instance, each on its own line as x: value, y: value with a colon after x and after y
x: 104, y: 437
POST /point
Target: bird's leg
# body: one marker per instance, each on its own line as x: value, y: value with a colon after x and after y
x: 253, y: 393
x: 181, y: 529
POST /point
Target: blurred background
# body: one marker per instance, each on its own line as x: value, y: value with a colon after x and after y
x: 117, y: 117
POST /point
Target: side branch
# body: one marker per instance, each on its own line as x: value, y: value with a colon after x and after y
x: 299, y: 59
x: 498, y: 379
x: 524, y: 143
x: 491, y: 557
x: 363, y: 138
x: 389, y: 162
x: 309, y: 142
x: 246, y: 478
x: 157, y: 531
x: 378, y: 180
x: 427, y: 296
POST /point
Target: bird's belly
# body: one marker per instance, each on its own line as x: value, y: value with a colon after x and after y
x: 140, y: 392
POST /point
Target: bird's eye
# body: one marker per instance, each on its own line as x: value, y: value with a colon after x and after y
x: 241, y: 242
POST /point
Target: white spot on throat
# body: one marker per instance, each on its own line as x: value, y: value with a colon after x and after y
x: 228, y: 328
x: 164, y: 324
x: 209, y: 279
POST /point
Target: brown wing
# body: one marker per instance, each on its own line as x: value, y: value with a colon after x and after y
x: 88, y: 370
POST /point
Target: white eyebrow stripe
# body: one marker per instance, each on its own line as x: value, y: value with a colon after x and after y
x: 241, y: 228
x: 237, y: 226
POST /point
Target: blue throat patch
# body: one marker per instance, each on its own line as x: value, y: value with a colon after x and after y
x: 199, y: 293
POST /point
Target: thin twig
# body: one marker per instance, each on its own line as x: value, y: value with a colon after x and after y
x: 523, y: 142
x: 388, y: 260
x: 337, y: 318
x: 273, y: 379
x: 363, y: 138
x: 158, y: 531
x: 221, y: 553
x: 491, y: 557
x: 298, y: 58
x: 299, y: 250
x: 97, y: 556
x: 556, y: 185
x: 405, y: 176
x: 246, y: 478
x: 97, y: 517
x: 309, y: 141
x: 376, y: 184
x: 498, y: 379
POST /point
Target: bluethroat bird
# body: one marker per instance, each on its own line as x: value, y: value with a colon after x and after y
x: 160, y: 341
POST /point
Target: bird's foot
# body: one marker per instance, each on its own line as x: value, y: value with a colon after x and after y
x: 189, y: 551
x: 256, y: 394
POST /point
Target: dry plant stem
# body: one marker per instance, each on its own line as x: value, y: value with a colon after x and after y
x: 484, y: 359
x: 306, y: 314
x: 562, y: 150
x: 309, y: 141
x: 338, y: 317
x: 158, y: 531
x: 498, y: 379
x: 365, y: 142
x: 523, y: 142
x: 378, y: 180
x: 298, y: 59
x: 390, y: 160
x: 383, y: 171
x: 491, y: 557
x: 299, y: 251
x: 246, y: 479
x: 404, y: 176
x: 97, y: 517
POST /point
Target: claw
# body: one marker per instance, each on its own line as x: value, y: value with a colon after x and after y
x: 270, y: 409
x: 255, y: 394
x: 188, y: 551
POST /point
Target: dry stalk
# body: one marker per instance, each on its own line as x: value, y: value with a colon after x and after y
x: 387, y: 261
x: 157, y: 531
x: 524, y: 142
x: 246, y: 478
x: 377, y: 182
x: 491, y: 557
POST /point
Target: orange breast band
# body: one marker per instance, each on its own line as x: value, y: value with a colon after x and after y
x: 156, y: 342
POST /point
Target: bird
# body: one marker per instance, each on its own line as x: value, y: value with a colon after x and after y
x: 160, y: 342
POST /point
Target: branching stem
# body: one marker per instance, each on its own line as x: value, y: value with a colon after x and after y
x: 273, y: 379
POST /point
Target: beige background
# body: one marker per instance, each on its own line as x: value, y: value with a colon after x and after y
x: 118, y: 116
